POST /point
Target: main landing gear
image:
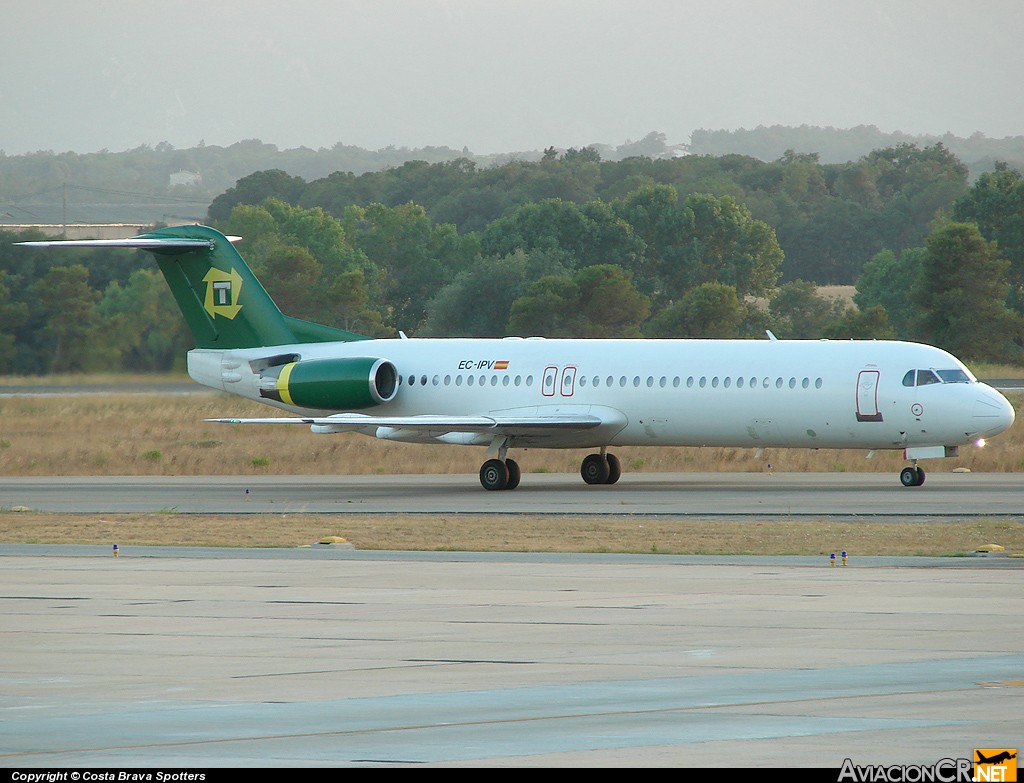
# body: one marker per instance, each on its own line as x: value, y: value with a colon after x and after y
x: 912, y: 476
x: 498, y: 474
x: 601, y: 468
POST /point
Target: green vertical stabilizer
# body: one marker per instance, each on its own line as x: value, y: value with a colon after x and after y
x: 222, y: 301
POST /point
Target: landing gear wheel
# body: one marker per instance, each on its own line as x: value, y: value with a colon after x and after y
x: 514, y: 473
x: 494, y: 475
x: 595, y: 469
x: 614, y: 469
x: 912, y: 477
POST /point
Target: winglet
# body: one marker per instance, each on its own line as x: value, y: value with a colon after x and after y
x: 771, y: 336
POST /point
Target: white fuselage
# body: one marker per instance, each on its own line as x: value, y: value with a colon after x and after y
x: 758, y: 393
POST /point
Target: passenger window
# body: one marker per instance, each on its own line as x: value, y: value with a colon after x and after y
x: 726, y: 382
x: 817, y: 383
x: 739, y: 383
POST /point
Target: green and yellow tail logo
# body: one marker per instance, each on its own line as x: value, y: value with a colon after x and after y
x: 223, y: 290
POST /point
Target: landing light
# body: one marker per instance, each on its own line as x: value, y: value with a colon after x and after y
x: 980, y: 443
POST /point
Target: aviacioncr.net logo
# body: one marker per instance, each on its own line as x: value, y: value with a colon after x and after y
x: 942, y: 771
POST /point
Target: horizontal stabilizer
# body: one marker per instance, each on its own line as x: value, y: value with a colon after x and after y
x: 142, y: 243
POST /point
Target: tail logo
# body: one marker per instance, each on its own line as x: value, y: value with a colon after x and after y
x: 222, y: 292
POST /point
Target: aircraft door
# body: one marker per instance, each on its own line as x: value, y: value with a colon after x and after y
x: 568, y: 381
x: 548, y: 382
x: 867, y: 396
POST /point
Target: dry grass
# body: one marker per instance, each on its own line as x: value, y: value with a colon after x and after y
x: 160, y: 434
x: 520, y: 533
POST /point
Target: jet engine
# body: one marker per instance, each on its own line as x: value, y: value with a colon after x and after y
x: 331, y: 384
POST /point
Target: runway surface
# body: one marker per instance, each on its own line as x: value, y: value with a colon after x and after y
x: 753, y: 495
x: 320, y: 657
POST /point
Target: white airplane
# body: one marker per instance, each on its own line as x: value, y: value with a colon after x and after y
x: 537, y: 393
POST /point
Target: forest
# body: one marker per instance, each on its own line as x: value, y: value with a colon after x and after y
x: 573, y: 245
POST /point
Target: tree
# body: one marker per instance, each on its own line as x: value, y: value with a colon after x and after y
x: 548, y: 309
x: 608, y: 304
x: 597, y: 301
x: 417, y: 258
x: 705, y: 239
x: 143, y: 322
x: 254, y: 189
x: 477, y: 302
x: 800, y: 313
x: 709, y: 310
x: 996, y: 204
x: 12, y: 315
x: 961, y: 294
x: 887, y: 281
x: 67, y: 306
x: 854, y: 324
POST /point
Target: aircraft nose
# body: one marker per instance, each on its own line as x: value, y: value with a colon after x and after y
x: 992, y: 413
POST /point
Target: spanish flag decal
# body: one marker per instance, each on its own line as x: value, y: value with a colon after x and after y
x: 502, y: 365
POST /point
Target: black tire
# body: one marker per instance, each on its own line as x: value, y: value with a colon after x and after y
x: 493, y: 475
x: 514, y: 474
x: 920, y: 476
x: 614, y: 469
x: 594, y: 469
x: 909, y: 477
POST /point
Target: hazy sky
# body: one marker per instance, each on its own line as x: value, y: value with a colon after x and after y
x: 497, y: 75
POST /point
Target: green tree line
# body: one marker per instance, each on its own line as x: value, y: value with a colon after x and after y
x: 577, y: 247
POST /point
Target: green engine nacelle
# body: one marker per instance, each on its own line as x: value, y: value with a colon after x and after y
x: 331, y: 384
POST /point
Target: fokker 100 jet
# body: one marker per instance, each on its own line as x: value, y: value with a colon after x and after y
x: 512, y: 393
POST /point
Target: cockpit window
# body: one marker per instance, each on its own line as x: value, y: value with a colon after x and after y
x: 954, y: 376
x: 928, y: 377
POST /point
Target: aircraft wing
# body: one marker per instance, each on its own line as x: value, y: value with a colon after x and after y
x: 438, y: 425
